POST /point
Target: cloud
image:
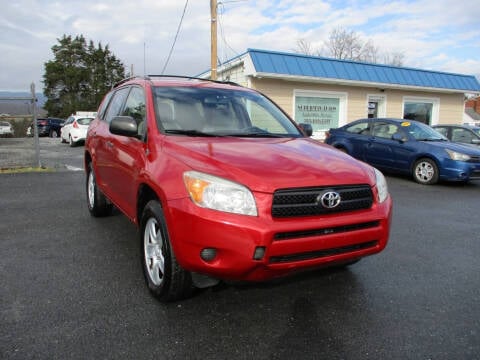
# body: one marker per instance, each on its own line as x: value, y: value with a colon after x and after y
x: 439, y: 35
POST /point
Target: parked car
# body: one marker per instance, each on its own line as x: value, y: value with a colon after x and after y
x: 47, y: 127
x: 464, y: 134
x: 225, y: 186
x: 408, y: 147
x: 6, y: 129
x: 74, y: 131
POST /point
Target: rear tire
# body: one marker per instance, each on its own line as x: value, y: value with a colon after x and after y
x: 165, y: 278
x: 98, y: 205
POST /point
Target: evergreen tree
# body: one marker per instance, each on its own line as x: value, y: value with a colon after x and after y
x: 79, y: 76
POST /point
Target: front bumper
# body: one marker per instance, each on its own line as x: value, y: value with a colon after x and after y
x: 289, y: 245
x: 460, y: 171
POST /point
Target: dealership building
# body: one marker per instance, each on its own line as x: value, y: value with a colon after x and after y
x: 329, y: 93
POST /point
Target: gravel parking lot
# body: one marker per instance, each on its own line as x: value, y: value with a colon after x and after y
x: 21, y: 152
x: 72, y: 285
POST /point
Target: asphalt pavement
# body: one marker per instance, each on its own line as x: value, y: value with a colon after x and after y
x: 72, y: 286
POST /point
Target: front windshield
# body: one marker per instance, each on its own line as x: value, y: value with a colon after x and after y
x: 200, y: 111
x: 422, y: 132
x: 476, y: 130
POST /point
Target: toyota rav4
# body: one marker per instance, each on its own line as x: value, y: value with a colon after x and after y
x: 223, y: 185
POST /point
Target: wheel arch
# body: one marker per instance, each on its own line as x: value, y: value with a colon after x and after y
x: 144, y: 195
x: 424, y: 156
x: 87, y: 159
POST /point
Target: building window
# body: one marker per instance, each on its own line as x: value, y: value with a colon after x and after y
x: 320, y: 109
x: 422, y: 110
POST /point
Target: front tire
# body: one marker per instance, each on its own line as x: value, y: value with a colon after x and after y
x: 425, y: 171
x: 98, y: 205
x: 165, y: 278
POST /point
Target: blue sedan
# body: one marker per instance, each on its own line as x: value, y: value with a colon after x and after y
x: 409, y: 147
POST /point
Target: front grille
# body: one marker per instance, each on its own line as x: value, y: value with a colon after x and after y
x: 322, y: 253
x: 305, y: 201
x: 474, y: 159
x: 325, y: 231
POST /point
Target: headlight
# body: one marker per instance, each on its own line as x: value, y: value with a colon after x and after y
x: 457, y: 156
x: 215, y: 193
x: 382, y: 187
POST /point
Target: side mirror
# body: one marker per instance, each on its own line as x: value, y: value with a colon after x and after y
x: 306, y: 128
x: 476, y: 141
x: 398, y: 137
x: 124, y: 125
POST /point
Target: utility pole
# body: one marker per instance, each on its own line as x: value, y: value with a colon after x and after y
x: 213, y: 41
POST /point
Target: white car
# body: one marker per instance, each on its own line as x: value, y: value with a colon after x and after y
x: 6, y: 128
x: 74, y: 131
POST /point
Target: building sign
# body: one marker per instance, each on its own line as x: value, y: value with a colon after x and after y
x: 321, y: 113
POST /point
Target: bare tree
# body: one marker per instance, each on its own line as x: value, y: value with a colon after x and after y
x: 343, y: 44
x: 304, y: 47
x: 348, y: 45
x: 395, y: 58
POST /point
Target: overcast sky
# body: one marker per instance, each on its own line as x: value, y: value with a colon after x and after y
x: 441, y: 35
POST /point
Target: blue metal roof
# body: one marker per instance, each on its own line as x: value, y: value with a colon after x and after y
x: 270, y: 62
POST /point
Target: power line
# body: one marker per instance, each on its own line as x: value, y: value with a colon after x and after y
x: 176, y: 35
x: 222, y: 33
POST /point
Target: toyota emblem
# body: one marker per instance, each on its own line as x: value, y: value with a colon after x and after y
x: 329, y: 199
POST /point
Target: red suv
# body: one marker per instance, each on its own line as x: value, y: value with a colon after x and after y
x: 223, y: 185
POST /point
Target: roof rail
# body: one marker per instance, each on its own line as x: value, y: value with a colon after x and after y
x: 126, y: 79
x: 149, y: 77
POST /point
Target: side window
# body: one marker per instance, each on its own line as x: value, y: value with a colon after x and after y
x: 461, y: 135
x: 384, y: 130
x: 360, y: 128
x: 442, y: 130
x: 104, y: 105
x: 135, y: 107
x: 116, y: 104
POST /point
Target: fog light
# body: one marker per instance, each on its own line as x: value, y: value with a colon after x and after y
x: 259, y: 253
x: 208, y: 254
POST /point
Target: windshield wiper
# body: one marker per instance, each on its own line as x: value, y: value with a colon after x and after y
x: 259, y: 135
x: 190, y: 133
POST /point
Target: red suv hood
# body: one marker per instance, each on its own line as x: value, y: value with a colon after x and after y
x: 269, y: 164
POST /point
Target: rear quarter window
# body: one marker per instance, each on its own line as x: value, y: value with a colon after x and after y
x: 362, y: 128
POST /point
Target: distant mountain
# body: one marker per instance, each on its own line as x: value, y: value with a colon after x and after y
x: 41, y: 98
x: 22, y: 106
